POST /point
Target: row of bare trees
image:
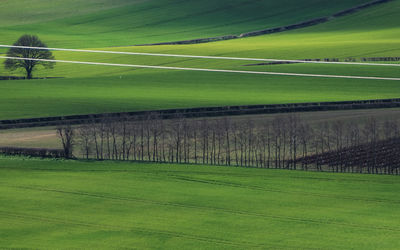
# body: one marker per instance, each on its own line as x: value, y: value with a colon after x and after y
x: 286, y: 142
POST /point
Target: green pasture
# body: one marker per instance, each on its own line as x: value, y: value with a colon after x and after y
x: 84, y: 89
x: 51, y: 204
x: 59, y: 204
x: 103, y: 23
x: 160, y: 89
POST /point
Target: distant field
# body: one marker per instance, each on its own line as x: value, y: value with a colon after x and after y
x: 103, y: 23
x: 372, y: 32
x: 160, y: 90
x: 97, y: 89
x: 68, y: 204
x: 59, y: 204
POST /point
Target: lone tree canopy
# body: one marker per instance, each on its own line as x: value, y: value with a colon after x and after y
x: 28, y: 65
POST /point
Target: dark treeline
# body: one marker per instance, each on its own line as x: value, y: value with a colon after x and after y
x: 363, y: 59
x: 348, y: 59
x: 34, y: 152
x: 384, y: 59
x: 285, y: 142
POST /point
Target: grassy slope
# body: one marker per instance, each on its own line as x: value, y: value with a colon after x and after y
x: 25, y: 12
x: 57, y: 204
x: 160, y: 90
x: 135, y: 22
x: 372, y: 32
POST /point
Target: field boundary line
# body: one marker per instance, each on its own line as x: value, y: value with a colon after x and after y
x: 207, y: 70
x: 197, y: 112
x: 200, y: 57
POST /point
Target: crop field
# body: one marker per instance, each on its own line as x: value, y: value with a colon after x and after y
x: 78, y: 204
x: 126, y: 22
x: 84, y: 89
x: 70, y: 204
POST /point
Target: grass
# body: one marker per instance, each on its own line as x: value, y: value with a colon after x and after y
x: 161, y: 90
x: 96, y: 89
x: 122, y: 22
x: 68, y: 204
x: 51, y: 204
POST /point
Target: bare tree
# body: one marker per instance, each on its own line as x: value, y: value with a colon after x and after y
x: 338, y: 134
x: 227, y: 130
x: 85, y: 136
x: 293, y: 124
x: 277, y: 141
x: 306, y: 134
x: 204, y: 142
x: 195, y: 127
x: 66, y: 134
x: 371, y: 134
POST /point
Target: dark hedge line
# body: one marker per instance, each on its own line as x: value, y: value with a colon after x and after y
x: 34, y: 152
x: 315, y: 21
x: 194, y: 41
x: 203, y: 112
x: 360, y: 7
x: 24, y: 78
x: 349, y: 59
x: 300, y: 25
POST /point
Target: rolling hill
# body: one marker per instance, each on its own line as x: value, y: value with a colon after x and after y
x: 56, y: 204
x: 51, y: 204
x: 372, y: 32
x: 104, y: 23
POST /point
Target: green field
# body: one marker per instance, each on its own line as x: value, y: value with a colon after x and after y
x: 155, y: 90
x: 372, y: 32
x: 127, y: 22
x: 70, y: 204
